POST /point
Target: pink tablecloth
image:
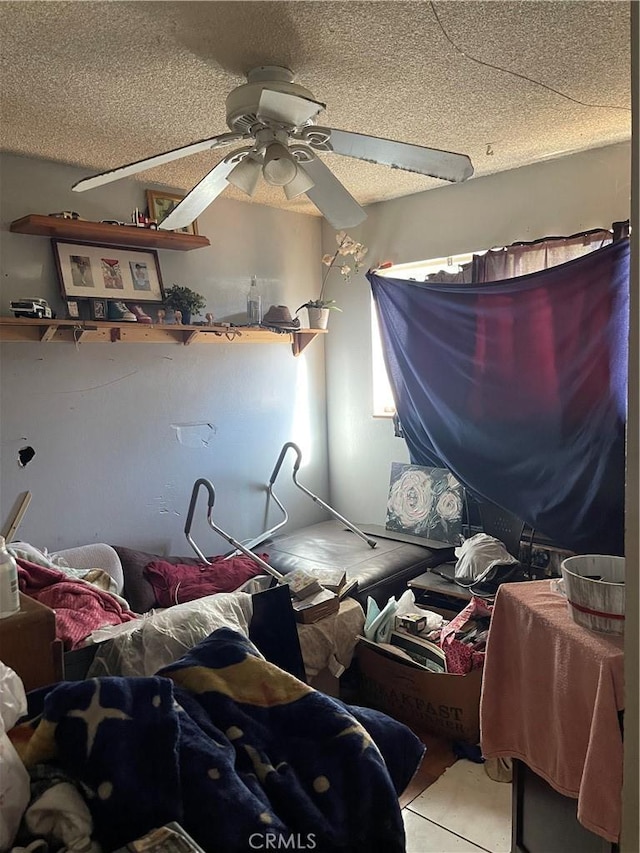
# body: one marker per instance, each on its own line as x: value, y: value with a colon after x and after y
x: 551, y: 695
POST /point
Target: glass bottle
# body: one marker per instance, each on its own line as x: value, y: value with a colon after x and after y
x: 9, y: 595
x: 254, y: 304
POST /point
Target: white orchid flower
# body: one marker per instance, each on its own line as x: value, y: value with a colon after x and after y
x: 346, y: 246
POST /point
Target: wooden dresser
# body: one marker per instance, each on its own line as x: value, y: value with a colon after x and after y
x: 28, y: 644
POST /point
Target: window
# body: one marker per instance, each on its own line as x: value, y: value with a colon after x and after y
x: 498, y: 264
x: 383, y: 403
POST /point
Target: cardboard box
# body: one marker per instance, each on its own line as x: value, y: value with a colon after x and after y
x: 413, y: 623
x: 443, y: 611
x: 445, y: 704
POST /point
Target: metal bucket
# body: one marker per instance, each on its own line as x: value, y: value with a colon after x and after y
x: 594, y: 585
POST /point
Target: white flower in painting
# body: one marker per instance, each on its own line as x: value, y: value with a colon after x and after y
x: 411, y: 498
x: 449, y: 507
x: 327, y: 260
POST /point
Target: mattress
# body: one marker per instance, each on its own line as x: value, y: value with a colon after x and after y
x: 381, y: 572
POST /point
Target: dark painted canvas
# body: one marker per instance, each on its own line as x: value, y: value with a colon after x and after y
x: 425, y: 502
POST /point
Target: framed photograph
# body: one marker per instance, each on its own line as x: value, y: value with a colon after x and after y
x: 92, y: 271
x: 98, y: 309
x: 73, y: 309
x: 160, y: 206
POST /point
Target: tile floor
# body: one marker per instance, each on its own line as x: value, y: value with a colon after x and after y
x: 454, y: 807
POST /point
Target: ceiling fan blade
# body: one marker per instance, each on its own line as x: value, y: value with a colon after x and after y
x: 157, y: 160
x: 402, y: 155
x: 287, y: 109
x: 334, y: 201
x: 199, y: 198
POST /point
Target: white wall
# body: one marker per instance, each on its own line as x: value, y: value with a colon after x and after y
x: 108, y: 466
x: 563, y: 196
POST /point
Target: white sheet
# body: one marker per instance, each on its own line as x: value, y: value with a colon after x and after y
x: 146, y: 645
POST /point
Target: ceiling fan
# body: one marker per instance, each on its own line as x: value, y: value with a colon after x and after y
x: 275, y: 118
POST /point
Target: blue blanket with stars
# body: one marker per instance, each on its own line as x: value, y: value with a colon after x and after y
x: 243, y: 755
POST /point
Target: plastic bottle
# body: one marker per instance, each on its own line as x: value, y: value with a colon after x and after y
x: 9, y: 597
x: 254, y: 304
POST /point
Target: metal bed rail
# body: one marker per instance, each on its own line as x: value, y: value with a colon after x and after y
x: 216, y: 529
x: 289, y: 445
x: 245, y: 548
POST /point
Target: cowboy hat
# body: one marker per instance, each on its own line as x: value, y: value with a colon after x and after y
x: 280, y: 317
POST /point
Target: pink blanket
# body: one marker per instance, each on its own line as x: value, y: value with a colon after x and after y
x: 80, y: 607
x: 551, y: 694
x: 174, y: 584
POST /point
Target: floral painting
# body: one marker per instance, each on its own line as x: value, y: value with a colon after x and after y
x: 425, y: 502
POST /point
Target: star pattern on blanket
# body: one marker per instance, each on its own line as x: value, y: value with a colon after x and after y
x: 354, y: 728
x: 96, y: 714
x: 247, y: 681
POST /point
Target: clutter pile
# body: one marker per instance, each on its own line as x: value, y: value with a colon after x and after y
x: 454, y: 646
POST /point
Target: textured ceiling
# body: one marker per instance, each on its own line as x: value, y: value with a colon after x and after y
x: 100, y: 84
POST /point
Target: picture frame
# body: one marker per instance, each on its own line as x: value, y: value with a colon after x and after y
x: 95, y: 271
x: 161, y: 204
x: 73, y: 309
x: 98, y: 309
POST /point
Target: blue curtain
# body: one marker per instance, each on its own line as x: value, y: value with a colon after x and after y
x: 519, y: 388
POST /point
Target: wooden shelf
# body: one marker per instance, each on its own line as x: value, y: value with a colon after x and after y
x: 109, y: 235
x: 25, y: 330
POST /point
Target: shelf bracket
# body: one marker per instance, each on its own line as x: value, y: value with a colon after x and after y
x: 48, y: 334
x: 301, y: 340
x: 114, y: 334
x: 190, y: 337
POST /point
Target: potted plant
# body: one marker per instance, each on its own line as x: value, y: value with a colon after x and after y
x: 185, y: 300
x: 318, y: 309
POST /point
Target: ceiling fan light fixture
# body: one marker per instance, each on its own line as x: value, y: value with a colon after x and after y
x: 245, y: 175
x: 299, y: 185
x: 277, y: 118
x: 279, y: 166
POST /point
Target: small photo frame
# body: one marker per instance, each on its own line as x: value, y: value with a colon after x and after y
x: 73, y: 309
x: 94, y: 271
x: 161, y: 204
x: 98, y: 309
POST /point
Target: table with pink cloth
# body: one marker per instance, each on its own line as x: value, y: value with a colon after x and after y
x: 551, y: 696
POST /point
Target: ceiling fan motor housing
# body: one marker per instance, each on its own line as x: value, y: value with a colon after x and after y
x: 242, y: 102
